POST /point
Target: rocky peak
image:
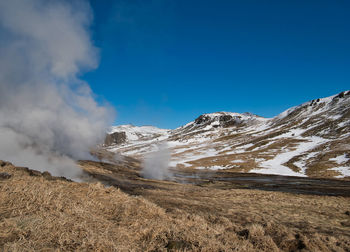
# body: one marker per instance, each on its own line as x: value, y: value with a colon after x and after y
x: 218, y: 119
x: 224, y: 119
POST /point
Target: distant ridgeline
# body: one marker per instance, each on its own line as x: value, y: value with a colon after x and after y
x: 311, y: 139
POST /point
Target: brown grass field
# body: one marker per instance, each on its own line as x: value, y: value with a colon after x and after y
x: 43, y: 213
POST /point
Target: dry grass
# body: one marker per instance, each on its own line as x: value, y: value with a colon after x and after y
x: 38, y: 213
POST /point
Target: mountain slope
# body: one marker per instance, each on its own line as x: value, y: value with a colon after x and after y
x: 312, y: 139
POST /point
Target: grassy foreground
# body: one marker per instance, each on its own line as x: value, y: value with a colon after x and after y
x: 42, y: 213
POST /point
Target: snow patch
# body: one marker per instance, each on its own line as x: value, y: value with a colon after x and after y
x: 134, y: 133
x: 237, y: 161
x: 344, y: 170
x: 214, y: 168
x: 340, y: 159
x: 275, y: 165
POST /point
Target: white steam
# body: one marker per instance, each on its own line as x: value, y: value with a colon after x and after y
x: 156, y: 164
x: 48, y: 117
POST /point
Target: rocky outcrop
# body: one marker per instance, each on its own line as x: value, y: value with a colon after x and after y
x: 228, y: 120
x: 115, y: 138
x: 222, y: 119
x: 202, y: 119
x: 4, y: 175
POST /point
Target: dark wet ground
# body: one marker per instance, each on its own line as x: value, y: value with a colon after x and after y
x: 298, y: 185
x: 128, y: 179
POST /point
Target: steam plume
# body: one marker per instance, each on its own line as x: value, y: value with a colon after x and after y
x: 156, y: 164
x: 48, y: 117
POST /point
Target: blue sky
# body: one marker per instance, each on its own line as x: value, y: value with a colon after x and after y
x: 165, y: 62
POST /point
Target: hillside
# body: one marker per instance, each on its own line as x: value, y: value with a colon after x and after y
x: 311, y: 139
x: 39, y: 212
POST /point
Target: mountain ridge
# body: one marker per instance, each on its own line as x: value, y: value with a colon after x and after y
x: 301, y: 141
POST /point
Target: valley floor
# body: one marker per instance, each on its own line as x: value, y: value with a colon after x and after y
x: 40, y: 212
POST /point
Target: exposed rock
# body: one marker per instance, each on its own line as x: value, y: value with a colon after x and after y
x: 4, y: 175
x: 202, y: 119
x: 244, y: 233
x: 228, y: 120
x: 115, y: 138
x: 225, y: 120
x: 4, y: 163
x: 341, y: 95
x: 44, y: 174
x: 34, y: 173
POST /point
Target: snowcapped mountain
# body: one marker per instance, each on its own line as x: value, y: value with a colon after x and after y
x: 312, y: 139
x: 135, y: 133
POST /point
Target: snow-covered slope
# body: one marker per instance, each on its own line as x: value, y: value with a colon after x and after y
x: 307, y: 140
x: 135, y: 133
